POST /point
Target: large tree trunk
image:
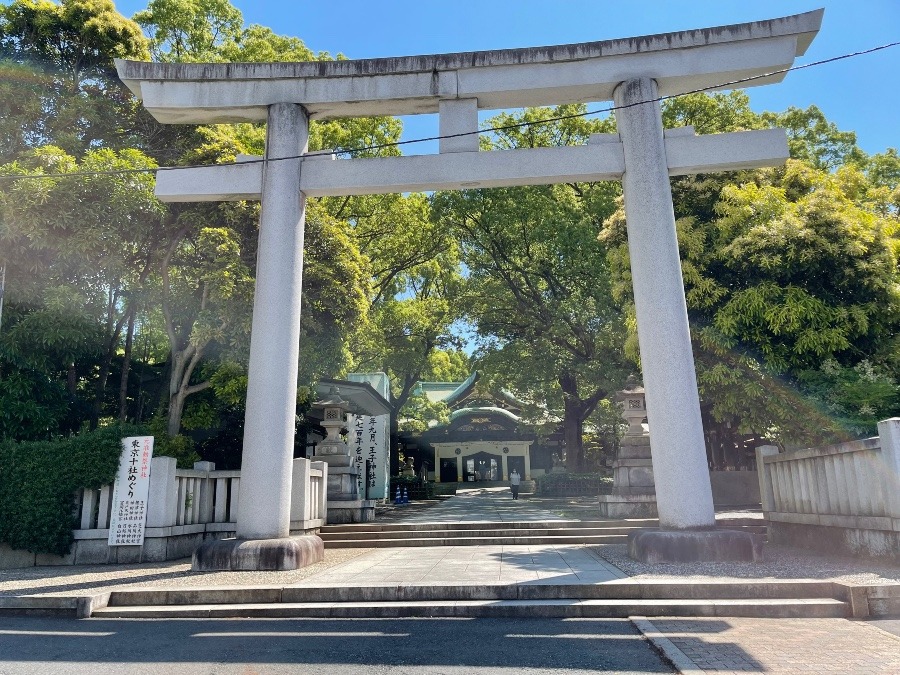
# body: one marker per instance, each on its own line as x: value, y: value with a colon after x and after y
x: 575, y: 411
x: 572, y: 428
x: 185, y: 355
x: 183, y: 364
x: 409, y: 381
x: 126, y: 367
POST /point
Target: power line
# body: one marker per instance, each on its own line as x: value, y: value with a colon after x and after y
x: 506, y: 127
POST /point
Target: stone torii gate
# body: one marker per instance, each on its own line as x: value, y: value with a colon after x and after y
x: 633, y: 72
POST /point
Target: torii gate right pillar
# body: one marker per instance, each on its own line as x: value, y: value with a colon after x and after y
x: 683, y: 493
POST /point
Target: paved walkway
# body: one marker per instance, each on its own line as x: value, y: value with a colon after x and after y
x: 470, y: 565
x: 472, y: 505
x: 808, y: 646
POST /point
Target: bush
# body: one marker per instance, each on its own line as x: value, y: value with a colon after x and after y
x: 39, y: 478
x: 571, y: 484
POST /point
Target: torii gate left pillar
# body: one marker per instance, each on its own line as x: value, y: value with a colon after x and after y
x: 631, y: 71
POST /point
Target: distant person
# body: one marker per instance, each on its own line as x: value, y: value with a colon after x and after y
x: 515, y: 480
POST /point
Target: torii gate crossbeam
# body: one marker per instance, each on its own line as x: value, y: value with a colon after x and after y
x: 633, y: 72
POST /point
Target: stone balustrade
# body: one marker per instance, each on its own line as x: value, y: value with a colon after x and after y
x: 184, y: 507
x: 843, y: 497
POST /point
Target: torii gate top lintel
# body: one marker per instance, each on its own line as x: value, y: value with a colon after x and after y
x: 506, y: 78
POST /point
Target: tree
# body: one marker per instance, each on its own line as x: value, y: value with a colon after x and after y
x: 815, y: 140
x: 79, y: 246
x: 539, y: 294
x: 190, y: 30
x: 59, y: 85
x: 788, y: 269
x: 410, y: 332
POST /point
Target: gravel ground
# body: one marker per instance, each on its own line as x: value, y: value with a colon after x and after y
x: 781, y: 562
x: 90, y: 579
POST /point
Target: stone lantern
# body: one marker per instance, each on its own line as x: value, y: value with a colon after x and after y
x: 344, y: 504
x: 334, y: 410
x: 634, y: 409
x: 634, y: 491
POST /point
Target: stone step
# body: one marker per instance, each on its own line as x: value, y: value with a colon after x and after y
x: 556, y: 608
x: 445, y: 534
x: 524, y: 524
x: 495, y: 540
x: 624, y: 589
x: 498, y: 534
x: 329, y: 535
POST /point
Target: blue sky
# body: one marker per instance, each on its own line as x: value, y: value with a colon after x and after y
x: 860, y: 94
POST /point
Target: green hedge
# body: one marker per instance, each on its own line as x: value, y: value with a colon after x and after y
x: 572, y: 484
x: 416, y: 488
x: 38, y: 480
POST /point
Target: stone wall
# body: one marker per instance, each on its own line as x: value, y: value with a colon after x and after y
x: 735, y: 488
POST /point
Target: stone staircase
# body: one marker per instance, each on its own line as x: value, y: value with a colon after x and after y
x: 615, y: 599
x: 375, y: 535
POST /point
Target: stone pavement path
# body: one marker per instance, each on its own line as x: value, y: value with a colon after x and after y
x: 808, y: 646
x: 494, y: 504
x: 470, y: 565
x: 473, y: 565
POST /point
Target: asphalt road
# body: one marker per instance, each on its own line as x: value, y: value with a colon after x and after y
x: 346, y: 647
x: 890, y: 625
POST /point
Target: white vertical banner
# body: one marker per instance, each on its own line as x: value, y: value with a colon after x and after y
x: 369, y: 441
x: 128, y: 516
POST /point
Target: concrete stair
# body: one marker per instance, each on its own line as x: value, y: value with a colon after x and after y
x: 373, y: 535
x: 811, y: 599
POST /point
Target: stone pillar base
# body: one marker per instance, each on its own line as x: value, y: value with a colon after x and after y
x: 656, y: 546
x: 628, y: 506
x: 232, y: 555
x: 341, y: 512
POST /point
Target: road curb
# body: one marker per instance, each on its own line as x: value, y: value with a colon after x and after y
x: 667, y: 649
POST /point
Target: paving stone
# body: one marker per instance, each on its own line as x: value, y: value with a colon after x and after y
x: 783, y: 645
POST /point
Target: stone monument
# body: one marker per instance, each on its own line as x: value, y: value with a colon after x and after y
x: 633, y: 72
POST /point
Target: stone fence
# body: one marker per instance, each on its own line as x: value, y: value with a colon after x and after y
x: 184, y: 507
x: 843, y: 497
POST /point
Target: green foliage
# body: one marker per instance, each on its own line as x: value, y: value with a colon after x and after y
x: 712, y: 113
x: 38, y: 351
x: 335, y: 296
x: 179, y: 446
x: 784, y: 269
x: 58, y: 83
x: 74, y: 248
x: 858, y: 397
x: 190, y: 30
x: 809, y: 271
x: 39, y: 478
x: 815, y: 140
x: 419, y: 413
x: 571, y: 484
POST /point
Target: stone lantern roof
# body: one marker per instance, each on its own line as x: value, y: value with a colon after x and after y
x: 360, y: 398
